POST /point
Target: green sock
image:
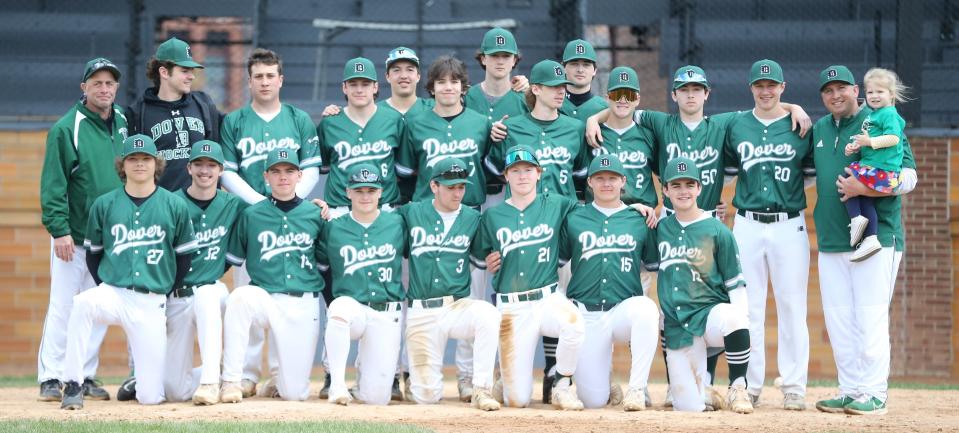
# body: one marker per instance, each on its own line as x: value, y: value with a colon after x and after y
x: 737, y: 353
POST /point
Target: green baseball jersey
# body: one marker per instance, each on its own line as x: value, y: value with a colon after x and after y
x: 606, y: 253
x: 636, y: 150
x: 698, y: 267
x: 407, y: 185
x: 703, y: 145
x: 212, y: 228
x: 527, y: 240
x: 139, y: 243
x: 583, y: 111
x: 366, y: 262
x: 771, y: 161
x: 512, y: 104
x: 884, y: 121
x: 439, y: 258
x: 559, y: 145
x: 280, y: 249
x: 248, y: 138
x: 78, y: 168
x: 343, y: 143
x: 431, y: 139
x: 832, y: 220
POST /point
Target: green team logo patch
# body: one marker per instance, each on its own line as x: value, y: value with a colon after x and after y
x: 558, y: 71
x: 500, y: 40
x: 623, y: 76
x: 764, y: 69
x: 283, y: 154
x: 206, y: 148
x: 138, y: 144
x: 359, y: 67
x: 832, y: 73
x: 604, y: 161
x: 580, y: 49
x: 681, y: 167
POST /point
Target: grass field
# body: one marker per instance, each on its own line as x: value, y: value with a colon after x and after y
x: 205, y: 427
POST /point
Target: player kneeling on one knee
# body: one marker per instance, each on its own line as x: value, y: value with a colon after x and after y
x: 279, y: 239
x: 439, y: 233
x: 139, y: 244
x: 701, y: 293
x: 364, y: 250
x: 520, y: 240
x: 195, y: 308
x: 607, y: 243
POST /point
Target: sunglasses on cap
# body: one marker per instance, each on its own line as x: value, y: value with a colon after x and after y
x: 689, y: 77
x: 630, y: 95
x: 455, y: 172
x: 520, y: 156
x: 364, y: 176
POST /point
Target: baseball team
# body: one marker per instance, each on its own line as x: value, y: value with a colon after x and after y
x: 515, y: 212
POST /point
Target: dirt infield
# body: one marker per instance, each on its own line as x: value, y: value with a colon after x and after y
x: 909, y: 410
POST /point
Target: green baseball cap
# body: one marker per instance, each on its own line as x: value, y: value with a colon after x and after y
x: 359, y: 67
x: 178, y: 52
x: 548, y: 73
x: 139, y: 144
x: 451, y: 171
x: 402, y: 53
x: 499, y: 40
x: 623, y: 77
x: 206, y: 149
x: 606, y: 162
x: 364, y: 175
x: 520, y: 153
x: 282, y: 155
x: 836, y: 73
x: 681, y: 168
x: 766, y: 70
x: 99, y: 64
x: 689, y: 74
x: 579, y: 49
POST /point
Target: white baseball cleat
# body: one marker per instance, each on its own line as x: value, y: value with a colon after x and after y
x: 465, y: 387
x: 635, y: 400
x: 793, y: 401
x: 565, y: 399
x: 207, y: 394
x: 714, y: 400
x: 483, y: 399
x: 340, y: 397
x: 231, y: 392
x: 739, y: 401
x: 497, y: 390
x: 615, y: 394
x: 869, y: 247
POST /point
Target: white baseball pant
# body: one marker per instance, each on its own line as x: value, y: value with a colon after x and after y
x: 687, y: 366
x: 427, y: 331
x: 635, y: 321
x: 293, y: 324
x: 522, y: 325
x: 199, y: 316
x: 379, y: 337
x: 855, y: 303
x: 253, y: 365
x: 143, y: 319
x: 777, y: 252
x: 66, y: 280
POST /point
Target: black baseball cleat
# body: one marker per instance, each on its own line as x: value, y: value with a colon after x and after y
x: 325, y: 391
x: 93, y: 390
x: 72, y: 397
x: 396, y: 394
x: 128, y: 390
x: 51, y: 390
x: 547, y: 389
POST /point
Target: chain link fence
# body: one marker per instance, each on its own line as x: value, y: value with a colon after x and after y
x: 45, y: 44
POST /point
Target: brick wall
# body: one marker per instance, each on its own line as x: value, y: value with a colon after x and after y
x: 925, y: 333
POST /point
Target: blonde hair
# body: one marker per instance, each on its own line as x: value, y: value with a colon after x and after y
x: 888, y: 80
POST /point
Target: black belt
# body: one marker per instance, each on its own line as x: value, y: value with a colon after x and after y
x: 432, y: 302
x: 300, y: 294
x: 602, y: 306
x: 187, y: 291
x: 139, y: 289
x: 531, y: 295
x: 383, y: 306
x: 767, y: 218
